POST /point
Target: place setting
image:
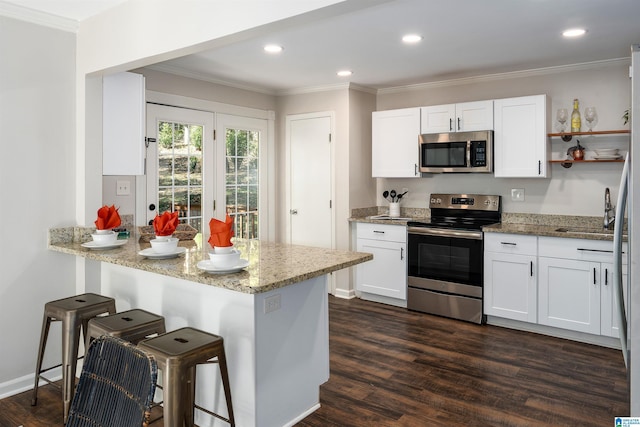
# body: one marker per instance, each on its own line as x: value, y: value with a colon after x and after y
x: 224, y: 258
x: 104, y: 236
x: 164, y: 246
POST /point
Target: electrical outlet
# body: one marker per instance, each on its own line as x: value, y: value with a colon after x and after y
x: 517, y: 194
x: 123, y: 188
x: 272, y: 303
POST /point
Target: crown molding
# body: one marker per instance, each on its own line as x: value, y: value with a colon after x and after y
x: 21, y: 13
x: 510, y: 75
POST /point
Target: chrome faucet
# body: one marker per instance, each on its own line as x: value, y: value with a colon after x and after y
x: 609, y: 215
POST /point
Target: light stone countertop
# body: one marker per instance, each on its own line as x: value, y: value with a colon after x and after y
x: 580, y: 227
x: 271, y: 265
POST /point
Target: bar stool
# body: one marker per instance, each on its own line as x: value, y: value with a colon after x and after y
x: 132, y: 325
x: 74, y: 313
x: 177, y: 354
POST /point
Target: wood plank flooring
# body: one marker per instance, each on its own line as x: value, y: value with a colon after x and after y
x: 393, y: 367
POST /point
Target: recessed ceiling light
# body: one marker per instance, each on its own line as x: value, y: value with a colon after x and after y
x: 574, y: 32
x: 273, y: 48
x: 345, y: 73
x: 411, y: 38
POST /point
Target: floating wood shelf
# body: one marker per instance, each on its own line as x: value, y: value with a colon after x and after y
x: 566, y: 136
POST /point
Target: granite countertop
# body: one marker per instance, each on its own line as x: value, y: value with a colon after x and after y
x: 573, y: 227
x: 271, y: 265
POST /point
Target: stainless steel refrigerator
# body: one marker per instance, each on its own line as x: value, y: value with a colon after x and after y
x: 629, y: 195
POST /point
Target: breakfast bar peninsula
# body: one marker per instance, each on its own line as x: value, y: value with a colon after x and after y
x: 273, y: 316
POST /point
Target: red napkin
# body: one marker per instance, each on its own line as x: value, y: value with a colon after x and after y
x: 108, y: 218
x: 221, y: 232
x: 165, y: 224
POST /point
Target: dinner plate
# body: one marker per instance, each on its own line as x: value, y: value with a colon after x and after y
x: 616, y: 157
x: 97, y: 246
x: 152, y: 254
x: 207, y: 266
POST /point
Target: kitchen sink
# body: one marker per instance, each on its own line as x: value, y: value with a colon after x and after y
x: 588, y: 231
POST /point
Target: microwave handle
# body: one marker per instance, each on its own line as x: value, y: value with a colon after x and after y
x: 468, y: 154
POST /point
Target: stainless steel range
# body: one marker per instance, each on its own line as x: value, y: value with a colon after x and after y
x: 445, y: 256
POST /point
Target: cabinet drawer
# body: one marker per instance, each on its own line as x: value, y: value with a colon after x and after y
x: 579, y: 249
x: 390, y: 233
x: 510, y: 243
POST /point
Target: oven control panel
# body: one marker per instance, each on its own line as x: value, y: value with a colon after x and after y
x: 465, y: 201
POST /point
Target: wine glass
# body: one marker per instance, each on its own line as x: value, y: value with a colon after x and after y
x: 591, y: 117
x: 562, y: 115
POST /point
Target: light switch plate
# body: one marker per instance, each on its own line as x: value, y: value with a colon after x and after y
x: 517, y: 194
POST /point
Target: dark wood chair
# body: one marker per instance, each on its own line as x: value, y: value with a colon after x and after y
x: 116, y: 386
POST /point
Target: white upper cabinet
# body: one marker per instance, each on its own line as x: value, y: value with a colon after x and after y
x: 463, y: 117
x: 123, y: 124
x: 520, y: 137
x: 394, y: 151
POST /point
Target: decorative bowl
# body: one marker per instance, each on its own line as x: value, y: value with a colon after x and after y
x: 104, y: 237
x: 223, y: 249
x: 226, y: 260
x: 164, y: 246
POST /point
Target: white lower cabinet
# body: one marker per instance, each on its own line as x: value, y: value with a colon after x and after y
x: 559, y: 282
x: 386, y: 274
x: 510, y: 287
x: 575, y: 285
x: 569, y: 294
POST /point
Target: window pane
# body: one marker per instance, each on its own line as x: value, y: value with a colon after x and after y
x: 165, y: 200
x: 231, y: 142
x: 253, y: 198
x: 241, y: 143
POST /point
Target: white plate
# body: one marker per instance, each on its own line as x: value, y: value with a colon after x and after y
x: 207, y: 266
x: 616, y: 157
x: 96, y: 246
x: 150, y: 253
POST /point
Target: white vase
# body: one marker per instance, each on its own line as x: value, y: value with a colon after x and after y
x: 394, y: 209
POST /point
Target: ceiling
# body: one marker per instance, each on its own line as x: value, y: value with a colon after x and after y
x: 461, y: 39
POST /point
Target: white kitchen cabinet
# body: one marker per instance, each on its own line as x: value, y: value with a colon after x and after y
x: 462, y: 117
x: 510, y: 278
x: 575, y: 285
x: 520, y: 137
x: 569, y: 294
x: 394, y: 152
x: 386, y: 274
x: 123, y: 124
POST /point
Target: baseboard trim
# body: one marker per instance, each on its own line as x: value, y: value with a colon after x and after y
x: 302, y: 416
x: 21, y: 384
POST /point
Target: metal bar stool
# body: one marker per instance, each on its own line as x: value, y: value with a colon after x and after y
x: 177, y: 354
x: 74, y: 313
x: 132, y: 325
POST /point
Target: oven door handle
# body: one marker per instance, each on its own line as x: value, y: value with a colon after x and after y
x: 473, y: 235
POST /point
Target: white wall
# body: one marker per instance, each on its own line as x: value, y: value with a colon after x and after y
x: 575, y: 191
x: 37, y: 84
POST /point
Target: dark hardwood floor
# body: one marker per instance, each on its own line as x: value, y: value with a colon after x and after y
x: 393, y: 367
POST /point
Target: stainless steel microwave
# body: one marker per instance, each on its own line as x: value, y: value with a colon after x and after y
x: 456, y: 152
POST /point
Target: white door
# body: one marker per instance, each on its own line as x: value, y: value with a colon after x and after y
x: 179, y: 163
x: 310, y: 207
x: 242, y: 182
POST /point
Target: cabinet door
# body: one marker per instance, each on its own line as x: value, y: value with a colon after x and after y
x: 438, y: 118
x: 395, y: 151
x: 609, y: 312
x: 386, y: 274
x: 472, y: 116
x: 520, y: 137
x: 569, y: 294
x: 510, y: 288
x: 123, y: 124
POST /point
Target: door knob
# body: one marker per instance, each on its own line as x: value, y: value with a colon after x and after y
x: 293, y: 211
x: 152, y: 207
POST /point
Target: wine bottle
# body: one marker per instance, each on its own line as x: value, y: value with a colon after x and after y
x: 576, y: 122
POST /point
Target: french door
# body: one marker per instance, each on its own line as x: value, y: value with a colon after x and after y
x: 179, y: 164
x: 201, y: 178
